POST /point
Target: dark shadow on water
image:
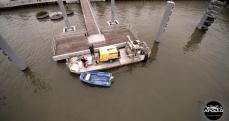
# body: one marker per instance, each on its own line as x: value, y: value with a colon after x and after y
x: 61, y: 61
x: 94, y: 86
x: 73, y: 75
x: 38, y: 85
x: 56, y: 20
x: 71, y: 15
x: 43, y: 19
x: 121, y: 69
x: 61, y: 64
x: 154, y: 51
x: 195, y: 40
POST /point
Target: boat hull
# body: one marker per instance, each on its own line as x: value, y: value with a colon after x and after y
x: 97, y: 78
x: 123, y: 60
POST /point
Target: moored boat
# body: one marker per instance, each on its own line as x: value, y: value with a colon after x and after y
x: 109, y: 57
x: 56, y: 15
x: 97, y: 78
x: 42, y: 14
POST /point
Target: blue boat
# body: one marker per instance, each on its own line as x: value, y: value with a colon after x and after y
x: 97, y: 78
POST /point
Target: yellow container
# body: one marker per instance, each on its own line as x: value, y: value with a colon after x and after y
x: 108, y: 53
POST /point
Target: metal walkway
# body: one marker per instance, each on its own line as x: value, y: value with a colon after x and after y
x: 89, y: 18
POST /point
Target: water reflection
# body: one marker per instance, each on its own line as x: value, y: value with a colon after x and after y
x: 195, y: 40
x: 100, y: 5
x: 139, y: 7
x: 24, y: 16
x: 39, y: 86
x: 124, y: 69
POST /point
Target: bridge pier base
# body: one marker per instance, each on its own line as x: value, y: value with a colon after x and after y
x: 113, y: 20
x: 12, y: 56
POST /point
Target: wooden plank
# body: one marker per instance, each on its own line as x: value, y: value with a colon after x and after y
x: 67, y: 43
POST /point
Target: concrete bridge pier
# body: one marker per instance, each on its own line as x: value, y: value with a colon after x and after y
x: 7, y: 51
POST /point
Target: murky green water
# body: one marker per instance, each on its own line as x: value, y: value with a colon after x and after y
x: 187, y: 69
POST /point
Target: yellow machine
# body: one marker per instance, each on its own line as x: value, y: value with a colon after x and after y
x: 108, y: 53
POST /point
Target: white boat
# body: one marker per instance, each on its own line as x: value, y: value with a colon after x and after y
x: 133, y: 52
x: 56, y: 15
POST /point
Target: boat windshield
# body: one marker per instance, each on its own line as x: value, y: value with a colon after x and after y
x: 88, y: 77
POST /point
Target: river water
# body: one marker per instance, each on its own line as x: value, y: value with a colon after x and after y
x: 186, y: 70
